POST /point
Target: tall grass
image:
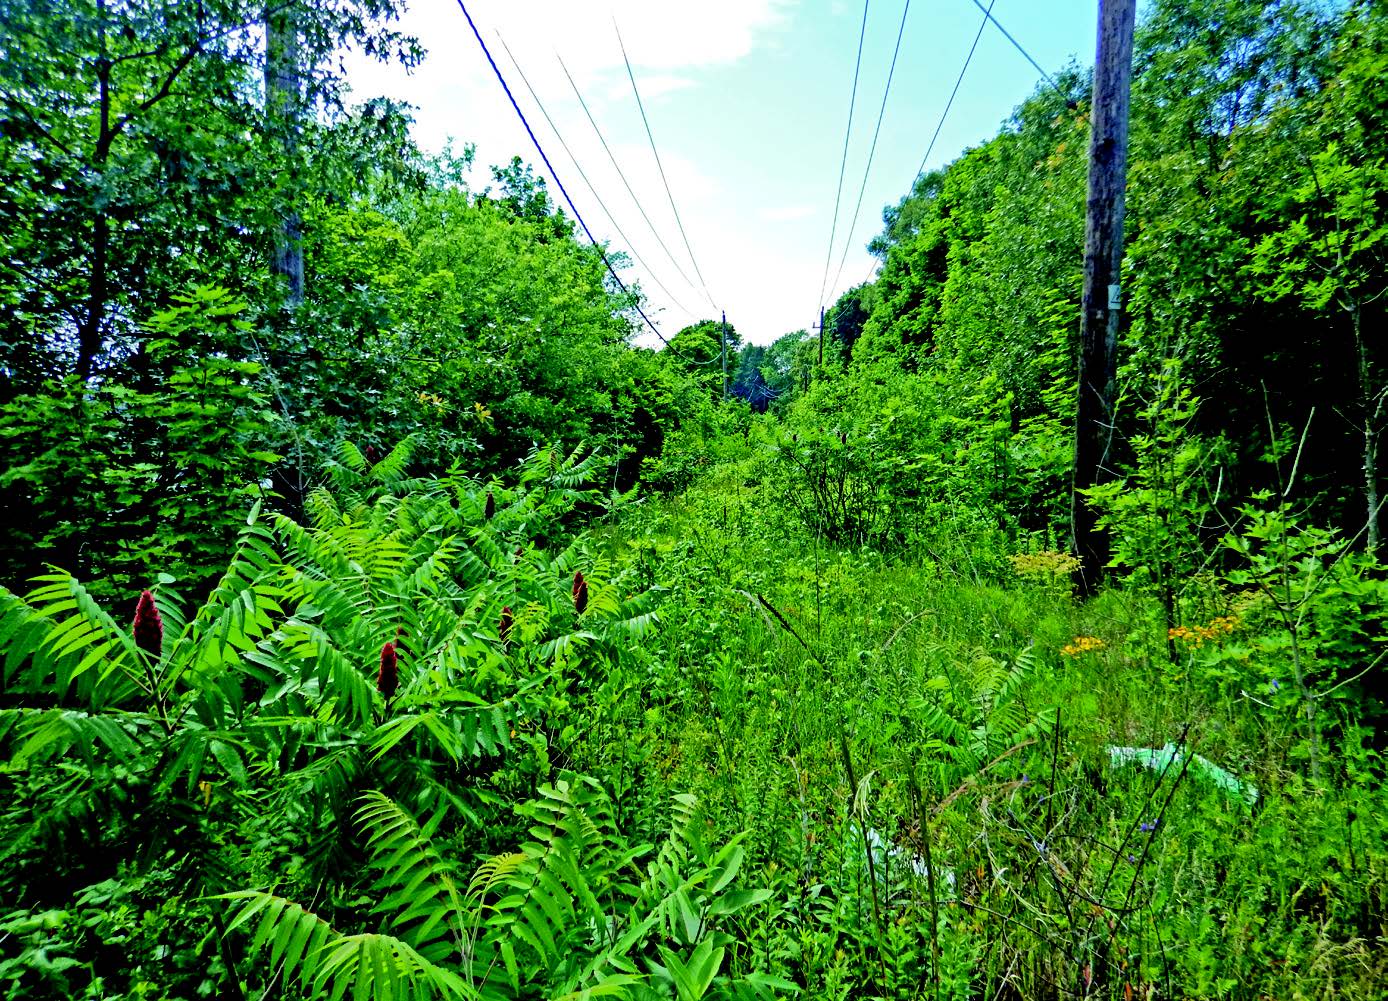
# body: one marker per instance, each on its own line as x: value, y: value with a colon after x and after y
x: 918, y: 748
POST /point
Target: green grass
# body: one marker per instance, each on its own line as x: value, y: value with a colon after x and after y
x: 860, y: 774
x: 921, y: 700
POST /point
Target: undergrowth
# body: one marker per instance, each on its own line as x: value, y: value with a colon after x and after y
x: 439, y: 742
x: 963, y: 783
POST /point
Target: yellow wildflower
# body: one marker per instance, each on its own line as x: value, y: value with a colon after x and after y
x: 1083, y: 645
x: 1198, y: 636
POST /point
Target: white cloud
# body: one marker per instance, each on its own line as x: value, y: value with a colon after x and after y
x: 674, y: 46
x: 744, y: 100
x: 661, y: 38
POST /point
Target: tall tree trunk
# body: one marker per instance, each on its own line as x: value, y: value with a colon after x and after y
x: 1371, y: 413
x: 283, y: 108
x: 89, y: 330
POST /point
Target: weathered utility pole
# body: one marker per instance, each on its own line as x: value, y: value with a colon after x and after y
x: 283, y: 110
x: 1103, y: 299
x: 724, y: 330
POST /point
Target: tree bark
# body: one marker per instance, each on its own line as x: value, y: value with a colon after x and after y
x: 89, y: 330
x: 91, y: 322
x: 283, y: 100
x: 1372, y: 411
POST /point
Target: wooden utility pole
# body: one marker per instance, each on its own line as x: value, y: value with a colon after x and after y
x: 1103, y: 299
x: 283, y: 109
x: 821, y: 336
x: 724, y: 329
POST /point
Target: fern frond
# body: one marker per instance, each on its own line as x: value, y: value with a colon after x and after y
x: 562, y: 647
x: 40, y: 735
x: 491, y: 873
x: 81, y: 636
x: 421, y: 891
x: 327, y: 964
x: 28, y: 664
x: 1022, y: 668
x: 381, y: 966
x: 551, y: 905
x: 939, y: 723
x: 325, y: 781
x: 325, y: 676
x: 395, y: 730
x: 350, y: 456
x: 392, y: 467
x: 322, y: 508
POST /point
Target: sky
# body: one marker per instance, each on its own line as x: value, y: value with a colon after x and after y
x: 748, y: 101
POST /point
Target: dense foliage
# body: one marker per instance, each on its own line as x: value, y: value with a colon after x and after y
x: 419, y: 636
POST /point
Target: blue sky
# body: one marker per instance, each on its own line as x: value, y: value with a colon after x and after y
x: 748, y: 100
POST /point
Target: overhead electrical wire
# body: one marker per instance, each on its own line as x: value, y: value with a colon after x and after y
x: 872, y: 151
x: 660, y: 167
x: 843, y: 163
x: 622, y: 174
x: 948, y: 104
x: 848, y: 131
x: 584, y: 175
x: 988, y: 16
x: 554, y: 174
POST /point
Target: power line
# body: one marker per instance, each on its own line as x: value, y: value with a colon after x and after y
x: 553, y: 173
x: 659, y: 166
x: 843, y: 163
x: 622, y: 174
x: 872, y: 152
x: 988, y: 16
x: 948, y: 104
x: 583, y: 174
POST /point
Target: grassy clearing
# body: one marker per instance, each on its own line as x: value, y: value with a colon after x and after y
x: 920, y: 751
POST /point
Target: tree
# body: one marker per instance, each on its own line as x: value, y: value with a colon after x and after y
x: 525, y: 195
x: 789, y: 364
x: 748, y: 382
x: 284, y: 117
x: 903, y: 221
x: 844, y: 321
x: 698, y: 350
x: 133, y: 162
x: 1330, y: 248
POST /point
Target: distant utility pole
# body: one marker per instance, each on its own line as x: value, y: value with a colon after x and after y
x: 1103, y: 298
x: 821, y: 336
x: 725, y: 354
